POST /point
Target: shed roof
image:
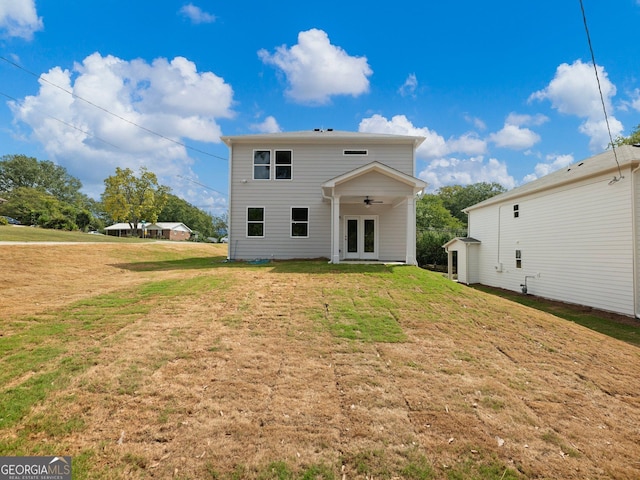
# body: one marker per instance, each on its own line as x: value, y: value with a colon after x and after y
x: 627, y: 155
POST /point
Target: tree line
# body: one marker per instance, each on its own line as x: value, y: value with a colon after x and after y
x: 41, y: 193
x: 440, y: 217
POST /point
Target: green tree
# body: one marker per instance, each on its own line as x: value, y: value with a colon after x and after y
x: 633, y: 139
x: 21, y: 171
x: 35, y: 207
x: 455, y: 198
x: 178, y: 210
x: 130, y: 199
x: 432, y: 214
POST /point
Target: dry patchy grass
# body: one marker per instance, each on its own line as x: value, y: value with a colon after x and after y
x: 160, y: 361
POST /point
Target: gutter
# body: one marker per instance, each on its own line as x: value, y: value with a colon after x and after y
x: 634, y: 226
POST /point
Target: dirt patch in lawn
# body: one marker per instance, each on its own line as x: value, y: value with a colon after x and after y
x: 242, y: 378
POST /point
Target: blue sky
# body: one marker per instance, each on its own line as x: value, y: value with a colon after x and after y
x: 503, y: 91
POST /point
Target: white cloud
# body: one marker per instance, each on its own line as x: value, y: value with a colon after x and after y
x: 18, y: 18
x: 553, y: 163
x: 476, y: 122
x: 196, y: 14
x: 409, y: 86
x: 526, y: 120
x: 574, y: 91
x: 514, y: 137
x: 456, y: 171
x: 269, y: 125
x: 316, y: 70
x: 635, y: 97
x: 434, y: 145
x: 442, y: 167
x: 170, y: 98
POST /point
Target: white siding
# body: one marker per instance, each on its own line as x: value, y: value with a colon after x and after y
x: 312, y: 166
x: 576, y: 241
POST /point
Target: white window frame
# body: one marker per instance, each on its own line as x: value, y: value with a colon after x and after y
x: 518, y: 258
x: 254, y: 165
x: 272, y: 166
x: 275, y: 164
x: 292, y: 222
x: 263, y: 222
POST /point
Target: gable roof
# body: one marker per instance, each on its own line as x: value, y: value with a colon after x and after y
x: 319, y: 135
x: 603, y: 163
x: 375, y: 167
x: 151, y: 226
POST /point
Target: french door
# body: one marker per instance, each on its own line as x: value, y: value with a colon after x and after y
x: 361, y: 237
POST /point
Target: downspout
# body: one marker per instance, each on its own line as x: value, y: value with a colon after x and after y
x: 634, y: 226
x: 229, y: 216
x: 331, y: 219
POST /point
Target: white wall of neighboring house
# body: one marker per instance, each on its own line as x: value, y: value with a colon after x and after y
x: 578, y: 240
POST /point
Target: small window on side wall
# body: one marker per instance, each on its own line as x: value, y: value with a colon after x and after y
x: 261, y: 164
x: 299, y: 222
x: 518, y: 258
x: 255, y: 222
x: 516, y: 211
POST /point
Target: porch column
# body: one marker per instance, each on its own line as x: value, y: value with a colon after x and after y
x: 449, y: 264
x: 411, y: 231
x: 335, y: 229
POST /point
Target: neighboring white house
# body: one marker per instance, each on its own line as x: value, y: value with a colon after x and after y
x: 572, y: 235
x: 167, y: 230
x: 323, y: 194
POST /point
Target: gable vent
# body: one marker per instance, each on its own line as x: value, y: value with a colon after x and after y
x: 355, y: 152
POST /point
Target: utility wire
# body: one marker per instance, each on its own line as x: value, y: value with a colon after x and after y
x: 152, y: 132
x: 202, y: 185
x: 604, y: 108
x: 66, y: 123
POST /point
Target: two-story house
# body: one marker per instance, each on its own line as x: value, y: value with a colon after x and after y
x: 323, y: 194
x: 572, y: 235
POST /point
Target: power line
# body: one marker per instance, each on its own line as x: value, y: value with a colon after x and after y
x: 152, y: 132
x: 66, y: 123
x: 604, y: 108
x: 202, y: 185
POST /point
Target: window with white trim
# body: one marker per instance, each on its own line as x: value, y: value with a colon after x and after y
x: 261, y: 164
x: 516, y: 211
x: 272, y: 165
x: 283, y: 164
x: 518, y: 258
x: 299, y: 221
x: 255, y: 221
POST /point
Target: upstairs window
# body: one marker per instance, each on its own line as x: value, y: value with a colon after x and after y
x: 255, y: 222
x: 261, y: 164
x: 516, y: 211
x: 283, y: 164
x: 299, y: 222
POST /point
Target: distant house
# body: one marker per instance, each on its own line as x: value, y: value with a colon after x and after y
x: 161, y: 230
x: 572, y: 235
x: 323, y: 194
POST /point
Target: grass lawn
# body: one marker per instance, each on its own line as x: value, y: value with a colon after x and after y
x: 161, y: 360
x: 12, y: 233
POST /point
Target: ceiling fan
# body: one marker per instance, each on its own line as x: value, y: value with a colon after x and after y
x: 369, y: 201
